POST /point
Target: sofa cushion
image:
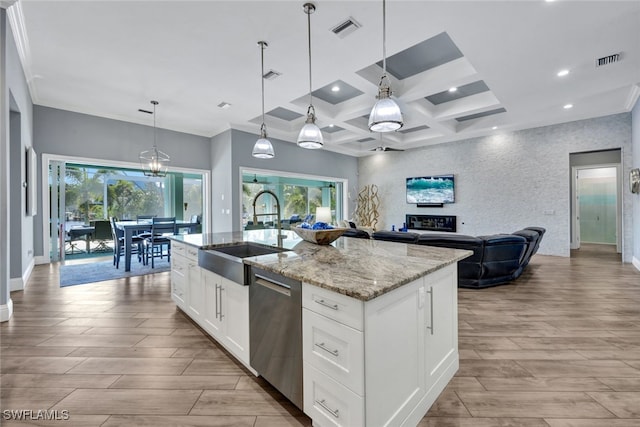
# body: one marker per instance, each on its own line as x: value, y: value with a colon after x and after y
x: 354, y: 232
x: 532, y: 241
x: 502, y: 255
x: 470, y: 268
x: 396, y: 236
x: 540, y: 231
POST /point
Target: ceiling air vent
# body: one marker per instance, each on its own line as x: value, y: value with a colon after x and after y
x: 145, y: 111
x: 345, y: 28
x: 271, y: 74
x: 609, y: 59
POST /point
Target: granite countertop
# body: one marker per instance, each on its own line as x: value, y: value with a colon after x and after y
x: 359, y: 268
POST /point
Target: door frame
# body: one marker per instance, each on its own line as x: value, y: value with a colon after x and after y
x: 575, y: 206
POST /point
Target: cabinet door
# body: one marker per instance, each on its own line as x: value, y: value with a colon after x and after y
x: 196, y: 291
x: 235, y: 317
x: 211, y: 320
x: 441, y: 322
x: 394, y: 354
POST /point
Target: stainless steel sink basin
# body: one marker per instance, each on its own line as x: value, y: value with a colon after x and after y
x: 227, y: 260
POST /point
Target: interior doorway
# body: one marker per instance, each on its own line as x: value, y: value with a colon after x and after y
x: 596, y: 207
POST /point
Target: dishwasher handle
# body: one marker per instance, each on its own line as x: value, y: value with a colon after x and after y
x: 274, y: 285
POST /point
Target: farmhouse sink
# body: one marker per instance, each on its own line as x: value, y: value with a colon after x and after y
x: 227, y: 260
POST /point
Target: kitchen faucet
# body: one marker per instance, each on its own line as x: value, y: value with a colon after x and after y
x: 255, y: 215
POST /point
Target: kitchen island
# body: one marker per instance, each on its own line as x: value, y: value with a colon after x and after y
x: 379, y: 320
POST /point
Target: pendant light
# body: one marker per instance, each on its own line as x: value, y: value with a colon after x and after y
x: 263, y: 148
x: 310, y: 136
x: 154, y: 162
x: 385, y: 115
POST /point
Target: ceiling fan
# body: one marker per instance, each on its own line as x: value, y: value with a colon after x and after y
x: 383, y: 147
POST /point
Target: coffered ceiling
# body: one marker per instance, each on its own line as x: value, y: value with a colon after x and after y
x: 110, y: 58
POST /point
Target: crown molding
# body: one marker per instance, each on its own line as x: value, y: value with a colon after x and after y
x: 16, y: 19
x: 634, y: 94
x: 6, y: 4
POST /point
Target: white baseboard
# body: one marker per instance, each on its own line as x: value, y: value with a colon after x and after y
x: 636, y: 263
x: 19, y: 283
x: 40, y: 259
x: 6, y: 310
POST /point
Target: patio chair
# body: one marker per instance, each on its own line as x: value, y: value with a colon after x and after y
x: 102, y: 234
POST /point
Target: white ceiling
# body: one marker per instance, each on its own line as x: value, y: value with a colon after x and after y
x: 110, y: 58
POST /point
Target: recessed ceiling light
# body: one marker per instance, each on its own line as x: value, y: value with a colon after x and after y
x: 224, y: 105
x: 331, y: 125
x: 335, y: 88
x: 494, y: 128
x: 453, y: 89
x: 563, y: 73
x: 566, y: 107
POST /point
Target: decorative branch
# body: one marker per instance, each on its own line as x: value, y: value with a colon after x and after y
x: 366, y: 213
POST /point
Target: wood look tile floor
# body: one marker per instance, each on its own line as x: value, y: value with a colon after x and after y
x: 560, y: 347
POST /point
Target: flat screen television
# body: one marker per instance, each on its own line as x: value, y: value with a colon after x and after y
x: 431, y: 189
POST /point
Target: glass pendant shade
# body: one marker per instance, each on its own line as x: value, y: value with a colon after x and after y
x: 385, y: 115
x: 263, y: 149
x: 154, y: 162
x: 310, y: 136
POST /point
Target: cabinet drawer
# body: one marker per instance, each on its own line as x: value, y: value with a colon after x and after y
x: 177, y: 247
x: 179, y: 265
x: 328, y: 403
x: 191, y: 252
x: 338, y: 307
x: 335, y: 349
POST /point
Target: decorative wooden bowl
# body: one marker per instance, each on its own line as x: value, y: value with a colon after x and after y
x: 319, y: 237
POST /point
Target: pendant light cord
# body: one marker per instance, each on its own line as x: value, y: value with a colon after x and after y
x: 309, y: 10
x: 384, y: 38
x: 154, y: 124
x: 262, y: 44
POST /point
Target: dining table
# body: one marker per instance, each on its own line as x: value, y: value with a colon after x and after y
x: 132, y: 228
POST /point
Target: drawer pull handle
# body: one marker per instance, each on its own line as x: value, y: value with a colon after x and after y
x: 326, y: 304
x: 324, y: 405
x: 323, y: 347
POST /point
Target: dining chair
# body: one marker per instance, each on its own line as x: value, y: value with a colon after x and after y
x: 145, y: 218
x: 155, y: 245
x: 119, y: 242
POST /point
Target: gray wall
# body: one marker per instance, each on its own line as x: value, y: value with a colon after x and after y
x: 506, y: 181
x: 5, y: 298
x: 635, y: 138
x: 19, y: 120
x: 72, y: 134
x: 289, y: 158
x: 221, y: 178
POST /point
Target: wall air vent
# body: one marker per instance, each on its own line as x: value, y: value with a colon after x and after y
x: 609, y: 59
x: 271, y: 74
x: 346, y: 27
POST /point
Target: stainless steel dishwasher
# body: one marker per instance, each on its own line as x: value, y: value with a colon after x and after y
x: 275, y: 331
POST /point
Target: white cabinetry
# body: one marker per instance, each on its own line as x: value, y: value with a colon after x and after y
x: 226, y: 313
x: 382, y: 362
x: 218, y: 305
x: 179, y: 275
x: 194, y: 279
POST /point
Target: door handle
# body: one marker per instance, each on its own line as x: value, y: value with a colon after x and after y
x: 430, y: 292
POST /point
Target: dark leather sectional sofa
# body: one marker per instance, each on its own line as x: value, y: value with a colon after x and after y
x: 496, y: 259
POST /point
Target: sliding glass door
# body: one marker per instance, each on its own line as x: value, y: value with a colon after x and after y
x: 81, y: 193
